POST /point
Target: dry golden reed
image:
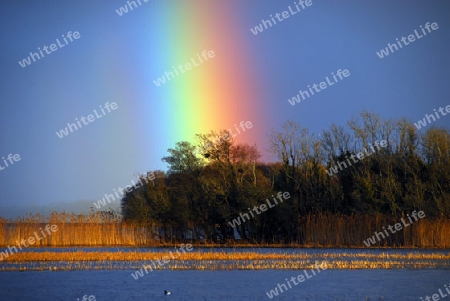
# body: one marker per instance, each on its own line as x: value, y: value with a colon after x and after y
x: 320, y: 230
x: 82, y: 260
x: 203, y: 256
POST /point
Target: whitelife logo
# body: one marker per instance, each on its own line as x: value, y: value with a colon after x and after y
x: 281, y: 17
x: 86, y: 298
x: 411, y: 38
x: 110, y: 197
x: 170, y: 75
x: 10, y: 158
x: 86, y: 120
x: 31, y: 240
x: 319, y: 87
x: 334, y: 170
x: 397, y: 226
x: 244, y: 125
x: 124, y: 9
x: 423, y: 122
x: 165, y: 259
x: 262, y: 207
x: 53, y: 48
x: 300, y: 278
x: 436, y: 297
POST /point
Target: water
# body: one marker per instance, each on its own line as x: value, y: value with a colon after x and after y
x: 107, y: 280
x: 336, y: 285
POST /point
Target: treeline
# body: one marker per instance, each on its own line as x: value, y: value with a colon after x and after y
x: 348, y: 181
x: 337, y: 196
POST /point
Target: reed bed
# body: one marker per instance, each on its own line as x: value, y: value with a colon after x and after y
x: 218, y: 256
x: 314, y: 230
x: 291, y: 262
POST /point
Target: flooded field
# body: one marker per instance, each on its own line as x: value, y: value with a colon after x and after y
x: 224, y: 274
x: 64, y: 259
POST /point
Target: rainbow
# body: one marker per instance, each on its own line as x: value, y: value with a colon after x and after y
x: 220, y: 92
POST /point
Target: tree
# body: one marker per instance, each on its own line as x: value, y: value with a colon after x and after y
x: 436, y: 152
x: 183, y: 158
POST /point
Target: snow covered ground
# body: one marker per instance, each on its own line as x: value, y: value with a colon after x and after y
x: 335, y: 285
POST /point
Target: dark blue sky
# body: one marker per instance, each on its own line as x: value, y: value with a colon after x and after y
x: 40, y: 99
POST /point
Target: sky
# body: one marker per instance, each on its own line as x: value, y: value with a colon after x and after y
x: 114, y: 59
